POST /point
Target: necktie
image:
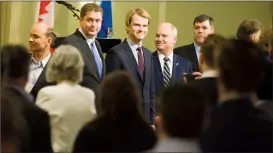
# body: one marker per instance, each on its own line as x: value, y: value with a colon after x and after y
x: 140, y: 62
x: 97, y: 58
x: 166, y: 72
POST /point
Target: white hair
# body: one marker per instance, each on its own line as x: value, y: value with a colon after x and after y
x: 66, y: 63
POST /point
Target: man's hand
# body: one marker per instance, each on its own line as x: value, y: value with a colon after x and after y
x: 197, y: 75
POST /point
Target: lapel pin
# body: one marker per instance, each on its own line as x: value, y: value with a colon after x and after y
x: 176, y: 64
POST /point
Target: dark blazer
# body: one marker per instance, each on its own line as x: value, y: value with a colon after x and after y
x: 115, y: 135
x: 180, y: 66
x: 90, y: 72
x: 188, y: 52
x: 37, y: 120
x: 238, y: 126
x: 40, y: 83
x: 208, y: 87
x: 121, y: 57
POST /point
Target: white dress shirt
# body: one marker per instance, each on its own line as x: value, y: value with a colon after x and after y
x: 197, y: 50
x: 134, y: 47
x: 35, y: 70
x: 170, y: 63
x: 89, y: 41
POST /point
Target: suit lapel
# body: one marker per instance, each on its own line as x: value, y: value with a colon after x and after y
x: 157, y: 67
x: 175, y: 68
x: 194, y: 55
x: 131, y: 56
x: 146, y: 62
x: 87, y: 52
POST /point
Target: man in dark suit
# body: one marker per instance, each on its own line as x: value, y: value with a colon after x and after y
x: 39, y: 44
x: 236, y: 124
x: 202, y: 27
x: 131, y: 56
x: 84, y: 40
x: 168, y: 67
x: 15, y: 61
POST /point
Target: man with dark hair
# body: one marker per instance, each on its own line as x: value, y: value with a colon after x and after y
x: 207, y: 84
x: 202, y: 27
x: 15, y: 61
x: 236, y: 124
x: 180, y: 120
x: 84, y: 39
x: 249, y: 30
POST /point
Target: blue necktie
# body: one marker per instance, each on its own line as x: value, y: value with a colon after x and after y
x: 97, y: 58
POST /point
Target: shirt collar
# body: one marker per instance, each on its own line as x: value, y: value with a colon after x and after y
x: 87, y: 39
x: 43, y: 61
x: 161, y: 56
x: 210, y: 74
x: 132, y: 44
x: 196, y: 46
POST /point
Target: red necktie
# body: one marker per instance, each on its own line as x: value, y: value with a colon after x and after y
x: 140, y: 62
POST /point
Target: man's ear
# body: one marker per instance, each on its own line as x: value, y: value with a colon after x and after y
x: 252, y: 37
x: 212, y: 31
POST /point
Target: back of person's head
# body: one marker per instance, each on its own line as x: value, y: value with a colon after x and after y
x: 249, y: 30
x: 241, y: 66
x: 182, y: 112
x: 15, y: 62
x: 66, y: 64
x: 119, y: 96
x: 210, y: 49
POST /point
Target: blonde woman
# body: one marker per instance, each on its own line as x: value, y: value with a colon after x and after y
x: 69, y: 105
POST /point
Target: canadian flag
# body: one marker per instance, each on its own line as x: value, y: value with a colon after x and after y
x: 46, y: 12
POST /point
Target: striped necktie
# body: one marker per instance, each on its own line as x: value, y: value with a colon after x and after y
x: 166, y: 72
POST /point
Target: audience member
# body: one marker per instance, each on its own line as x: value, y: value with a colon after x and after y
x: 207, y: 84
x: 15, y: 61
x: 180, y: 120
x: 249, y: 30
x: 120, y: 126
x: 69, y: 105
x: 236, y: 124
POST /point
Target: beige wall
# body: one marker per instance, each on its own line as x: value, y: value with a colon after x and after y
x: 227, y: 16
x: 17, y: 18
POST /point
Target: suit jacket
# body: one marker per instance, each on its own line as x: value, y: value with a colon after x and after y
x: 40, y: 83
x: 208, y: 87
x: 121, y: 57
x: 180, y: 66
x: 188, y: 52
x: 37, y: 121
x: 238, y: 126
x: 116, y: 135
x: 90, y: 73
x: 70, y: 107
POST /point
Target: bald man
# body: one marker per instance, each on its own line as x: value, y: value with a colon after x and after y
x: 168, y: 67
x: 39, y: 43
